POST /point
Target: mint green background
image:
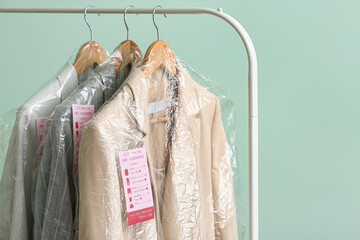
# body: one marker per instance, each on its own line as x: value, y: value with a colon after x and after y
x: 308, y: 53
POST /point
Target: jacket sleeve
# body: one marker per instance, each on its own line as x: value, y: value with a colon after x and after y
x: 222, y: 184
x: 100, y: 208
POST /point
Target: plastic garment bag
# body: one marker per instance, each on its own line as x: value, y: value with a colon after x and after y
x: 16, y: 220
x: 155, y: 162
x: 6, y: 125
x: 229, y: 124
x: 54, y: 192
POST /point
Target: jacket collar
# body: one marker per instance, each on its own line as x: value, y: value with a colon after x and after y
x: 140, y: 87
x: 187, y: 107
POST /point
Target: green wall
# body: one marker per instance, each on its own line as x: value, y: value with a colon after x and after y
x: 309, y: 87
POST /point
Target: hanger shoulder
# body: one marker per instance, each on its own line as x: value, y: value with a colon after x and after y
x: 125, y: 53
x: 159, y: 54
x: 90, y: 53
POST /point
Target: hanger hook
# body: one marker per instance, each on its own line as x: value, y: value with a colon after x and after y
x: 127, y: 28
x: 153, y: 17
x: 87, y: 23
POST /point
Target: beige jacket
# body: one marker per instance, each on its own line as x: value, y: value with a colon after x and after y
x: 191, y: 181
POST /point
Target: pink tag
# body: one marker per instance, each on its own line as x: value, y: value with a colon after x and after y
x: 42, y: 128
x: 137, y: 186
x: 81, y: 115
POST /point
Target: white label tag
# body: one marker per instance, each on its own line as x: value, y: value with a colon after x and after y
x: 156, y: 107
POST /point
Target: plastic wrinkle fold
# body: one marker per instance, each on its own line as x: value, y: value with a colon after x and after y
x: 186, y: 124
x: 156, y: 160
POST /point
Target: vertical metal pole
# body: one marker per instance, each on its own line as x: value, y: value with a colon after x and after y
x: 253, y: 125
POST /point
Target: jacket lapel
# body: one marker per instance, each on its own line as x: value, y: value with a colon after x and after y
x: 174, y: 184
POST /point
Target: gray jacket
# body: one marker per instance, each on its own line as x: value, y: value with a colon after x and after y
x: 54, y: 194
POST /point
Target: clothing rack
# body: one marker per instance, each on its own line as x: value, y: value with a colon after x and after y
x: 252, y: 83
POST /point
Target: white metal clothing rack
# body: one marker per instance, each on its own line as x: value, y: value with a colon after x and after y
x: 252, y: 84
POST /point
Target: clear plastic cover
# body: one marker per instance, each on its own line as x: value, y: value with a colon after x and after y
x: 55, y: 201
x: 16, y: 219
x: 229, y: 124
x: 6, y: 125
x: 179, y: 122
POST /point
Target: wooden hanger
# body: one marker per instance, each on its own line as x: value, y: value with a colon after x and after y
x: 89, y: 54
x: 127, y: 52
x: 159, y: 54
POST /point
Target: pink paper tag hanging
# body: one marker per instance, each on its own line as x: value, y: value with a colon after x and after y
x: 81, y: 115
x: 42, y: 128
x: 137, y: 186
